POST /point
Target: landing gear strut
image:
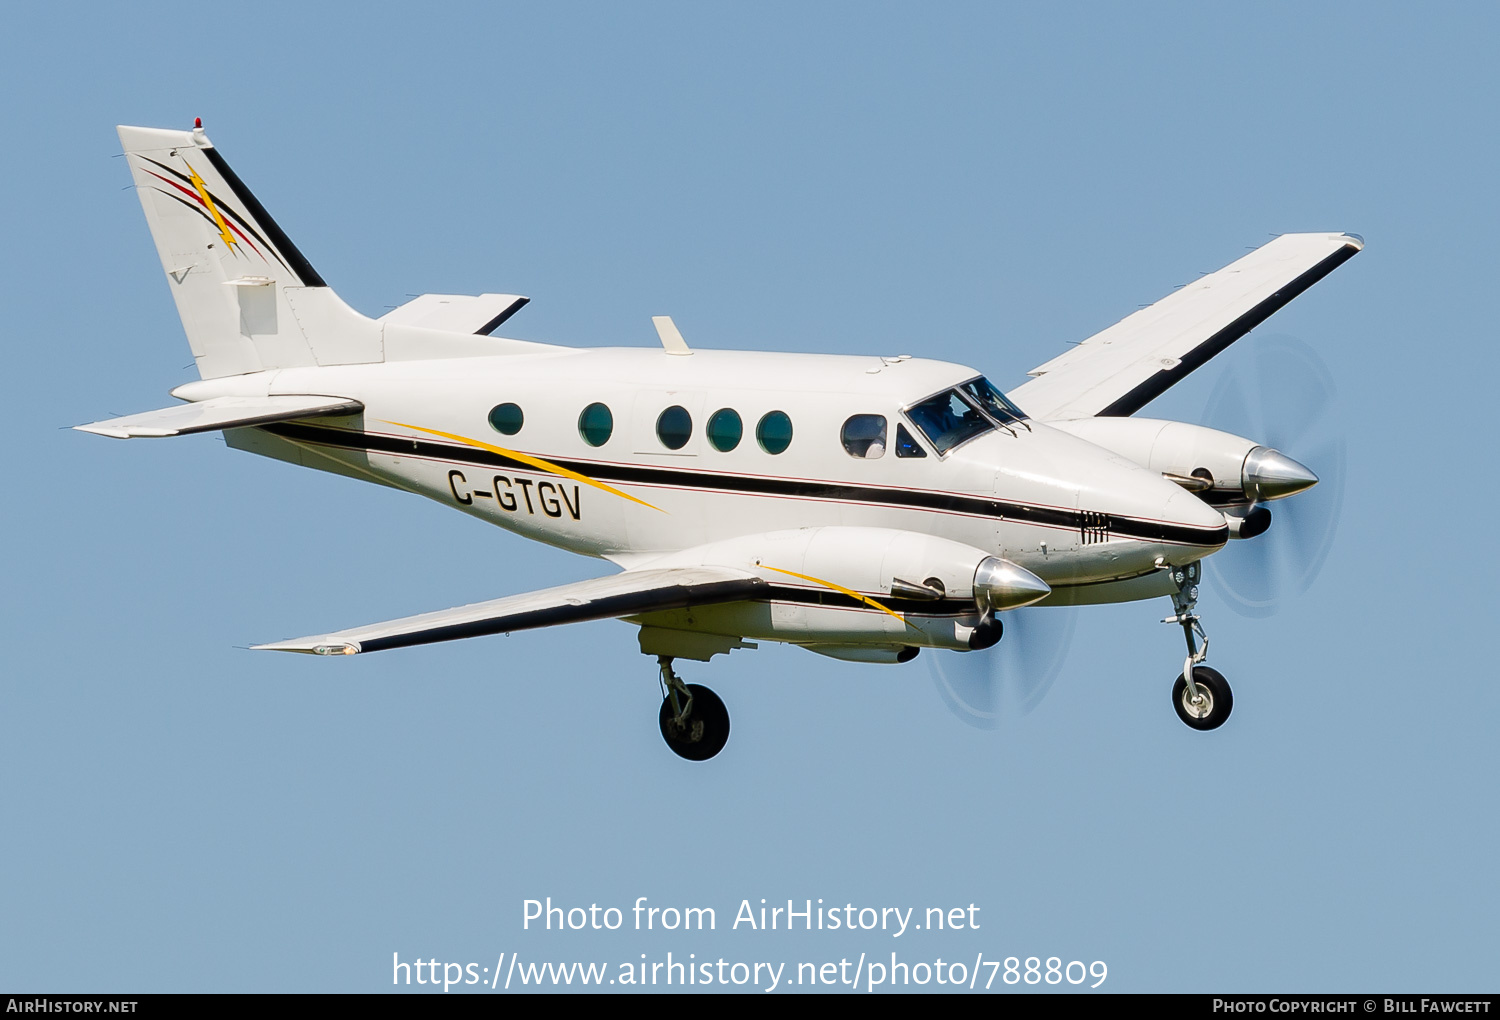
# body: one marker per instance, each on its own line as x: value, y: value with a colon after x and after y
x: 694, y: 722
x: 1201, y: 695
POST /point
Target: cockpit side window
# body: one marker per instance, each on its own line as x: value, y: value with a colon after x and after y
x: 906, y: 446
x: 995, y: 403
x: 948, y: 420
x: 864, y: 436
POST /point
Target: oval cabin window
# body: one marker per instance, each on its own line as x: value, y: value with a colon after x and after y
x: 674, y: 427
x: 507, y: 419
x: 774, y: 433
x: 725, y: 430
x: 596, y: 424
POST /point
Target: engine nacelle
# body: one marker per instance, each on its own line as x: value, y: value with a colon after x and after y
x: 1172, y: 448
x: 1221, y: 467
x: 919, y: 590
x: 880, y: 562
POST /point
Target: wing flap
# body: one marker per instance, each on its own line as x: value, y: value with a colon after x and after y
x: 219, y: 413
x: 1118, y: 371
x: 601, y: 598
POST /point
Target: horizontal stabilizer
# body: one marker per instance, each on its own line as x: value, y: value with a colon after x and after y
x: 602, y: 598
x: 220, y: 413
x: 457, y: 313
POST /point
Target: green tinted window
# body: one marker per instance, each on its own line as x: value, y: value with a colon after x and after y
x: 506, y: 419
x: 725, y: 430
x: 774, y: 432
x: 674, y: 427
x: 596, y: 424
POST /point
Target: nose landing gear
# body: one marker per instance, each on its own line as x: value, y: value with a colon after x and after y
x: 1201, y: 695
x: 694, y: 722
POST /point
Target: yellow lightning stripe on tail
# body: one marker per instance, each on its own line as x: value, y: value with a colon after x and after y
x: 842, y: 590
x: 208, y: 203
x: 526, y: 458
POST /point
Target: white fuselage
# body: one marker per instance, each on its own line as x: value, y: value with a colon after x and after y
x: 1095, y: 526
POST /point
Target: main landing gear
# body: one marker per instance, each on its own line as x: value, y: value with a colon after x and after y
x: 694, y: 722
x: 1201, y: 695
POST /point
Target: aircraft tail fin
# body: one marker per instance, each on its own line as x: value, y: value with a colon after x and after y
x: 248, y: 298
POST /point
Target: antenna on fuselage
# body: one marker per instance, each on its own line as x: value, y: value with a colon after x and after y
x: 671, y: 337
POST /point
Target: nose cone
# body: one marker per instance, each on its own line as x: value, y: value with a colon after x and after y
x: 1271, y: 474
x: 1188, y: 511
x: 1124, y: 519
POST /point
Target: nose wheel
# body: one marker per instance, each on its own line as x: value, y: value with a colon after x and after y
x: 1214, y: 701
x: 694, y: 721
x: 1201, y: 695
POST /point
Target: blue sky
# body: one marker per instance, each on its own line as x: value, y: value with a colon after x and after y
x: 977, y: 183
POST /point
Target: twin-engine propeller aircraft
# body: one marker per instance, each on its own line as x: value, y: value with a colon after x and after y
x: 863, y: 508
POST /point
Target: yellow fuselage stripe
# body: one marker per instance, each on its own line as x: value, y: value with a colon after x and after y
x: 528, y: 459
x: 842, y: 590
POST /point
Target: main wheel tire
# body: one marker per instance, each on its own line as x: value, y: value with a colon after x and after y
x: 1218, y: 699
x: 705, y: 731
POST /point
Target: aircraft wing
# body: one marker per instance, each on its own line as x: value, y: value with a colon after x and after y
x: 602, y: 598
x: 1117, y: 372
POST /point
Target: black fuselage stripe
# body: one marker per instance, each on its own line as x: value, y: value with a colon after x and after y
x: 630, y: 474
x: 1164, y: 380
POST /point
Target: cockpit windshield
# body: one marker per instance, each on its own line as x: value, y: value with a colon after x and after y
x: 993, y: 401
x: 974, y: 408
x: 948, y: 420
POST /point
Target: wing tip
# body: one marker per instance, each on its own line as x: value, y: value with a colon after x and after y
x: 1345, y: 238
x: 103, y: 430
x: 306, y: 647
x: 133, y: 432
